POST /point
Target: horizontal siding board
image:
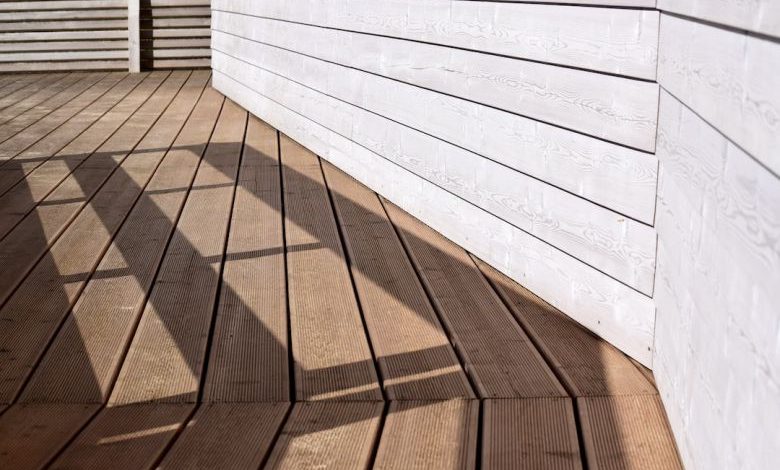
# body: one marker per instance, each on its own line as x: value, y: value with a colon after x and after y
x: 61, y: 56
x: 74, y: 65
x: 616, y: 177
x: 729, y: 79
x: 612, y: 108
x: 619, y: 41
x: 611, y: 309
x: 622, y: 247
x: 760, y: 16
x: 62, y: 5
x: 62, y: 46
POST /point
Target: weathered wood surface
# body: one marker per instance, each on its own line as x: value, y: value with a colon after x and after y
x: 760, y: 16
x: 188, y: 21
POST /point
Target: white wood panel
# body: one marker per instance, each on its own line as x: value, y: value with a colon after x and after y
x: 761, y: 16
x: 613, y: 108
x: 728, y: 78
x: 611, y: 3
x: 620, y: 41
x: 611, y: 309
x: 621, y: 247
x: 613, y: 176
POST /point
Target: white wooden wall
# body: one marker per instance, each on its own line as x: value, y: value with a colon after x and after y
x: 524, y: 132
x: 63, y: 35
x: 717, y: 345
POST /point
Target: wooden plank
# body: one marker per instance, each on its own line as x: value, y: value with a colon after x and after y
x: 619, y: 41
x: 612, y: 108
x: 331, y: 352
x: 63, y: 46
x: 30, y: 89
x: 616, y: 177
x: 249, y: 350
x: 83, y: 359
x: 35, y: 311
x: 624, y: 249
x: 429, y: 435
x: 501, y: 358
x: 413, y: 352
x: 90, y: 106
x: 32, y: 435
x: 68, y: 97
x: 705, y: 78
x: 71, y: 65
x: 227, y: 435
x: 627, y: 432
x: 760, y: 16
x: 31, y: 102
x: 80, y: 25
x: 135, y: 435
x: 616, y: 312
x: 587, y: 364
x: 327, y: 434
x: 61, y: 56
x: 166, y: 356
x: 529, y: 434
x: 27, y: 241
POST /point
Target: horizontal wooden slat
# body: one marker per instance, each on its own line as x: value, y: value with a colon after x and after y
x: 65, y: 25
x: 62, y: 46
x: 760, y: 16
x: 75, y: 65
x: 32, y: 16
x: 62, y: 56
x: 62, y: 5
x: 178, y: 53
x: 178, y: 63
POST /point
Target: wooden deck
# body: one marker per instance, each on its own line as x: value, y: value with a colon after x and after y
x: 184, y: 287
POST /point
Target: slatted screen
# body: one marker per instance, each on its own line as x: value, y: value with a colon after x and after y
x: 175, y: 34
x: 63, y: 35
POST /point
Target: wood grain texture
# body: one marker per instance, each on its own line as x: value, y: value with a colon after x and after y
x: 621, y: 41
x: 429, y: 435
x: 222, y: 435
x: 627, y: 432
x: 330, y: 348
x: 249, y: 350
x: 32, y: 435
x: 29, y: 240
x: 530, y: 434
x: 732, y: 86
x: 327, y: 434
x: 760, y: 16
x: 30, y: 89
x: 177, y: 319
x: 620, y: 247
x: 135, y: 435
x: 83, y: 359
x: 36, y: 101
x: 587, y: 364
x: 413, y: 352
x: 614, y: 311
x: 35, y: 311
x: 612, y: 108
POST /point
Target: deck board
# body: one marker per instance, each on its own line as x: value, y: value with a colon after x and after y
x: 32, y: 435
x: 530, y: 433
x: 239, y: 302
x: 132, y: 436
x: 429, y: 435
x: 39, y: 229
x: 497, y: 352
x: 237, y: 436
x: 327, y: 434
x: 413, y: 352
x: 249, y: 351
x: 35, y: 310
x: 332, y: 355
x: 82, y: 361
x: 588, y: 365
x: 166, y: 357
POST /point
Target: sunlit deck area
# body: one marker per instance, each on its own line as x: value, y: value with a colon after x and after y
x: 185, y: 287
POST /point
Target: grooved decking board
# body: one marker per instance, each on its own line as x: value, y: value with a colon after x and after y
x: 33, y: 235
x: 13, y: 84
x: 249, y: 351
x: 31, y: 435
x: 36, y: 101
x: 81, y: 364
x: 530, y: 433
x: 587, y: 364
x: 75, y: 97
x: 166, y: 356
x: 429, y: 435
x: 32, y: 88
x: 327, y: 434
x: 627, y: 432
x: 219, y: 436
x: 131, y: 436
x: 105, y: 95
x: 498, y: 354
x: 332, y: 356
x: 34, y: 312
x: 413, y: 352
